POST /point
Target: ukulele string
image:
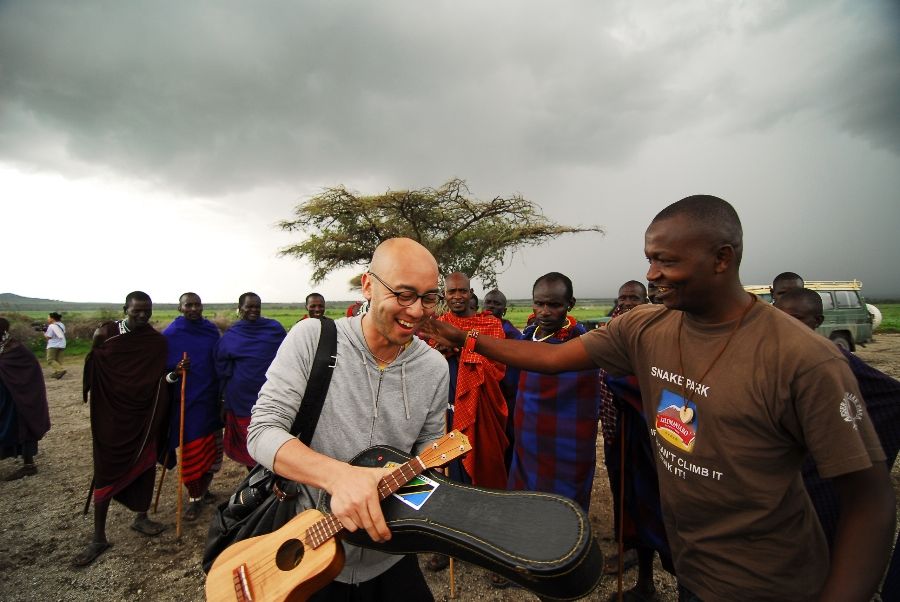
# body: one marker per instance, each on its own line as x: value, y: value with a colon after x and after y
x: 317, y: 532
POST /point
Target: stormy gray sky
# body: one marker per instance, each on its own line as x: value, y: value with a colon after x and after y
x: 154, y: 145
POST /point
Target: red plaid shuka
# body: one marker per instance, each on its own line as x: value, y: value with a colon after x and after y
x: 235, y: 443
x: 556, y: 428
x: 479, y: 407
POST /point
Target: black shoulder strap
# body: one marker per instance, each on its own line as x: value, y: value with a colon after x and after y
x: 317, y: 384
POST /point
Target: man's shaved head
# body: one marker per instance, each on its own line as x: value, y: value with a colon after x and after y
x: 403, y: 250
x: 803, y: 304
x: 715, y: 218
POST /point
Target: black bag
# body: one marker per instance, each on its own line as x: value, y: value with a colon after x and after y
x: 264, y: 502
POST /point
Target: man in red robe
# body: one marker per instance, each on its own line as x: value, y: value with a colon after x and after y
x: 477, y: 406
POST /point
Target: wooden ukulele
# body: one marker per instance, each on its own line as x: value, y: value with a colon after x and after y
x: 303, y: 556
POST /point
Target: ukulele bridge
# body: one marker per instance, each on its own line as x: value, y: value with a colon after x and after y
x: 242, y: 584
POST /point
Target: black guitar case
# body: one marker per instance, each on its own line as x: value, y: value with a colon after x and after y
x: 541, y: 541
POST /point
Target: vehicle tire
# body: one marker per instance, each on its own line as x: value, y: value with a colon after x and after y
x: 876, y: 315
x: 842, y: 341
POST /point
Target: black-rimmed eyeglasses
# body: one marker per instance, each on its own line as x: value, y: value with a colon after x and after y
x: 407, y: 298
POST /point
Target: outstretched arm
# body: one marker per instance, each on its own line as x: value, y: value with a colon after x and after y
x: 528, y: 355
x: 865, y: 534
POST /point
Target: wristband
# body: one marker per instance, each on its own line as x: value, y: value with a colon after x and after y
x: 471, y: 339
x: 172, y: 377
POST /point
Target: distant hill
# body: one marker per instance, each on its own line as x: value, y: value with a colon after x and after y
x: 14, y: 302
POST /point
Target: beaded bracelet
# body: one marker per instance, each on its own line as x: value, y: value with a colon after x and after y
x: 471, y: 338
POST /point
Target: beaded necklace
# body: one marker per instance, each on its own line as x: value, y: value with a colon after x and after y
x: 534, y: 335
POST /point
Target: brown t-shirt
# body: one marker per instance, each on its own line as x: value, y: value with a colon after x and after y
x: 738, y: 518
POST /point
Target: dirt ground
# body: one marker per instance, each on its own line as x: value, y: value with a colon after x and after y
x: 43, y: 527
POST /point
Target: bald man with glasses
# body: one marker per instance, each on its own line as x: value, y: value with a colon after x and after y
x: 388, y: 387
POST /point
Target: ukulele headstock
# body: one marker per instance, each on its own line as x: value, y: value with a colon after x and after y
x: 447, y: 448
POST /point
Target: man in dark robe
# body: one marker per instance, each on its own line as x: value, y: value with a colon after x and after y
x: 125, y: 375
x: 24, y: 416
x: 201, y: 457
x: 881, y: 394
x: 630, y: 458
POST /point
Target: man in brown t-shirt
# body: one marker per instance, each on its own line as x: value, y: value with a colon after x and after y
x: 736, y: 394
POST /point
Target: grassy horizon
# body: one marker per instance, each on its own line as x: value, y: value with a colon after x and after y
x: 82, y: 322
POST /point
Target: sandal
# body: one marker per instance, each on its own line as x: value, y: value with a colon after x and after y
x: 26, y: 470
x: 437, y: 562
x: 193, y: 511
x: 90, y: 553
x: 148, y: 527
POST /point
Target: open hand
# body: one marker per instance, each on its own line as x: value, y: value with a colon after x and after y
x: 446, y: 336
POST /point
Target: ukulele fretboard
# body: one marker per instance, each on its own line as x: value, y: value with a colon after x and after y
x: 326, y: 528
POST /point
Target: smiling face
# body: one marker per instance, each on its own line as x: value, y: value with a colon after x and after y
x: 550, y: 304
x: 630, y: 296
x: 404, y: 265
x: 138, y: 313
x: 191, y: 307
x: 315, y: 306
x: 251, y: 308
x: 684, y: 264
x: 458, y: 293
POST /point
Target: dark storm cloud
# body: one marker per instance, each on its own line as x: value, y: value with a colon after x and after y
x: 218, y: 96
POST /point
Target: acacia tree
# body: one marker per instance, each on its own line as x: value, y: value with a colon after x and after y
x: 464, y: 234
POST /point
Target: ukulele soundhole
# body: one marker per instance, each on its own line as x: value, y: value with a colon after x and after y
x: 289, y: 554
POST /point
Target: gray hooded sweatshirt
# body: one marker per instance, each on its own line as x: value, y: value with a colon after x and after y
x: 403, y: 406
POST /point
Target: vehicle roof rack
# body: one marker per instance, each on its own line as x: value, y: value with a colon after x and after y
x: 816, y: 285
x: 849, y: 285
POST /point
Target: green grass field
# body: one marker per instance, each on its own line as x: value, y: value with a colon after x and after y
x: 82, y: 323
x: 890, y: 313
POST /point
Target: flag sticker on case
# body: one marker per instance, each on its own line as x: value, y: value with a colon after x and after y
x: 415, y: 493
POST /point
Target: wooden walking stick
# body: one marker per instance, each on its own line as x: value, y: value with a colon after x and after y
x: 452, y: 579
x: 87, y: 502
x: 180, y: 453
x: 452, y: 564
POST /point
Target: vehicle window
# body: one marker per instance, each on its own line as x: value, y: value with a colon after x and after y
x: 826, y: 300
x: 847, y: 299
